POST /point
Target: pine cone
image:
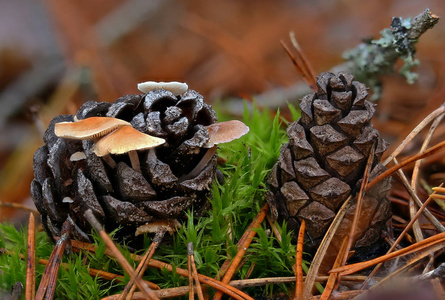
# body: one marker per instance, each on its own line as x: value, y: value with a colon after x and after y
x: 324, y: 160
x: 70, y: 178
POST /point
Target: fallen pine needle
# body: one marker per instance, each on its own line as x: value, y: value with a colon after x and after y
x: 190, y: 275
x: 247, y: 237
x: 30, y: 291
x: 130, y: 288
x: 299, y: 263
x: 225, y: 288
x: 430, y: 151
x: 400, y: 237
x: 414, y: 132
x: 119, y: 257
x: 425, y: 244
x: 358, y: 207
x: 330, y: 284
x: 47, y: 284
x: 321, y: 251
x: 194, y: 270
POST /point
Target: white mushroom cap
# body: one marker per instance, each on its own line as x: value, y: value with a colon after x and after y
x: 177, y: 88
x: 89, y: 128
x: 79, y: 155
x: 224, y: 132
x: 125, y: 139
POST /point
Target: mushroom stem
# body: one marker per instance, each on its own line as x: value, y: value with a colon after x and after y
x: 109, y: 160
x: 134, y: 158
x: 201, y: 165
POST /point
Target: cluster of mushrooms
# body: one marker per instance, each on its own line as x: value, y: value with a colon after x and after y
x: 113, y: 136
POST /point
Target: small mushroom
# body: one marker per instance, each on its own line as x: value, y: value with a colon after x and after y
x: 222, y: 132
x: 76, y: 156
x: 89, y: 128
x: 126, y: 139
x: 169, y: 224
x: 176, y: 88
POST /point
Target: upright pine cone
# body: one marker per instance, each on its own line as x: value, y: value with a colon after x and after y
x: 324, y: 161
x: 70, y: 178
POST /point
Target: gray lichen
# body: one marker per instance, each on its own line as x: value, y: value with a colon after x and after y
x: 374, y: 58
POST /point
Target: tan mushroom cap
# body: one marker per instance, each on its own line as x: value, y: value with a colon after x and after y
x: 89, y: 128
x: 224, y: 132
x: 125, y: 139
x: 169, y: 224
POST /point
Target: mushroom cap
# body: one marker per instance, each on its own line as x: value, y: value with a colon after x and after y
x: 177, y: 88
x: 169, y: 224
x: 125, y: 139
x: 79, y: 155
x: 89, y: 128
x: 224, y: 132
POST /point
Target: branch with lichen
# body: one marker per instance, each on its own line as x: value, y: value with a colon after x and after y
x: 374, y: 58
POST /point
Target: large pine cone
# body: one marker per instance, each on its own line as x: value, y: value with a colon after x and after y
x: 324, y: 161
x: 64, y: 187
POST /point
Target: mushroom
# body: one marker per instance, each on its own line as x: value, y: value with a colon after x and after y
x: 126, y: 139
x: 176, y: 88
x: 89, y: 128
x: 168, y: 224
x: 222, y: 132
x: 76, y: 156
x: 111, y: 136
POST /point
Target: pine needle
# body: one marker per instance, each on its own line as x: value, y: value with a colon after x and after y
x: 190, y: 275
x: 47, y: 285
x: 130, y: 287
x: 399, y: 239
x: 333, y: 277
x: 321, y: 251
x: 231, y: 291
x: 430, y: 151
x: 415, y: 132
x: 301, y: 64
x: 358, y: 207
x: 194, y: 271
x: 30, y: 291
x: 419, y: 246
x: 299, y: 263
x: 247, y: 239
x: 118, y: 256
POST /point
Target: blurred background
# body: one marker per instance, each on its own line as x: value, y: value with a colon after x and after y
x: 57, y: 54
